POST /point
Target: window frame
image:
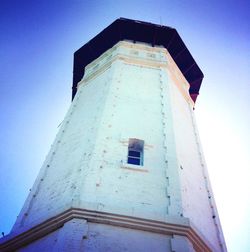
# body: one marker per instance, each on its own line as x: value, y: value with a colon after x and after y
x: 135, y: 152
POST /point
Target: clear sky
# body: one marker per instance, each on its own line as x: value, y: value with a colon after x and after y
x: 37, y: 42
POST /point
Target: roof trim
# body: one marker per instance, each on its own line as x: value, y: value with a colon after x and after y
x: 154, y: 34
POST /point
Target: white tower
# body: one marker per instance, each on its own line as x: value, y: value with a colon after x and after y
x: 126, y: 171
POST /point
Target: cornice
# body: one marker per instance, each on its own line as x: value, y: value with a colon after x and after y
x: 13, y: 242
x: 98, y: 67
x: 155, y: 35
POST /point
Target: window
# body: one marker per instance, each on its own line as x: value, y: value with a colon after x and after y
x: 135, y: 151
x: 134, y: 52
x: 151, y: 55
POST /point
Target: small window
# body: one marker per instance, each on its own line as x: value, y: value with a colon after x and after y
x: 151, y: 55
x: 134, y: 52
x: 135, y: 151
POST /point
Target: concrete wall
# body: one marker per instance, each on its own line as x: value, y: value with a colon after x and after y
x: 78, y: 235
x: 131, y: 91
x: 56, y: 186
x: 196, y: 197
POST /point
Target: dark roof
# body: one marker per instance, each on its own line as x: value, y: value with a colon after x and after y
x: 134, y: 30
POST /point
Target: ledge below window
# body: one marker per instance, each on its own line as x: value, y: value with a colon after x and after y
x: 133, y: 167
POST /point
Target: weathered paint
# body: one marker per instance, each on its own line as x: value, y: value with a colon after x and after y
x: 131, y: 91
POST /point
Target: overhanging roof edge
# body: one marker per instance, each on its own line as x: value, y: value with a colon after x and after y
x: 123, y: 28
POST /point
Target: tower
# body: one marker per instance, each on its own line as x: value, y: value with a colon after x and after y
x: 126, y: 170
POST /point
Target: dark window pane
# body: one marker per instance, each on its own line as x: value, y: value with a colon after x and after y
x: 134, y: 161
x: 136, y: 144
x: 134, y: 153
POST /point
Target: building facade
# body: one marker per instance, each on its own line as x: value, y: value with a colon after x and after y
x: 126, y: 170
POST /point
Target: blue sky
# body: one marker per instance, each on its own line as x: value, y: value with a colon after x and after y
x: 38, y: 39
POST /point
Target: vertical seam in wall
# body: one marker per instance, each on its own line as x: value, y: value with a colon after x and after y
x: 164, y: 122
x: 84, y: 162
x: 205, y: 176
x: 167, y: 99
x: 111, y: 78
x: 106, y: 89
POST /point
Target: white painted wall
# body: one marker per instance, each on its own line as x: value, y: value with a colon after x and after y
x: 195, y: 201
x: 78, y: 236
x: 131, y: 91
